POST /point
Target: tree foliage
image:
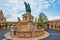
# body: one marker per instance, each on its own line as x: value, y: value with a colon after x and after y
x: 6, y: 24
x: 42, y: 19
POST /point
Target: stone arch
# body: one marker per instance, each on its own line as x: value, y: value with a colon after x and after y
x: 55, y: 26
x: 0, y: 26
x: 10, y: 26
x: 59, y: 26
x: 51, y: 26
x: 48, y: 26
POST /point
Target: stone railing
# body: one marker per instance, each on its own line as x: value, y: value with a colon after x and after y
x: 29, y: 33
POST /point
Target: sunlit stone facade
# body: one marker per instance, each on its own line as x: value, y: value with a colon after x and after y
x: 28, y: 24
x: 54, y: 24
x: 2, y: 20
x: 27, y: 27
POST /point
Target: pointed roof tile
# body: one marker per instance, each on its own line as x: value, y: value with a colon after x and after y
x: 1, y: 13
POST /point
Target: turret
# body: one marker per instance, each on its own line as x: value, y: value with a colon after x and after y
x: 2, y: 18
x: 19, y: 19
x: 1, y: 14
x: 27, y: 17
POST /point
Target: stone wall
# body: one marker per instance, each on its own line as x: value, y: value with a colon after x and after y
x: 27, y: 34
x: 37, y: 33
x: 52, y: 25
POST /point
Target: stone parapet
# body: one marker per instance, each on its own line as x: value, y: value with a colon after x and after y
x: 27, y: 34
x: 46, y: 34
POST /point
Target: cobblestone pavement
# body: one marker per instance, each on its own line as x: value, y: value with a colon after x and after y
x: 54, y: 35
x: 2, y: 32
x: 46, y: 34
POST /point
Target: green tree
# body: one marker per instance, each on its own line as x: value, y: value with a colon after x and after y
x: 6, y: 24
x: 42, y: 19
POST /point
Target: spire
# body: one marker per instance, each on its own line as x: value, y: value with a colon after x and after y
x: 1, y: 13
x: 19, y: 19
x: 1, y: 10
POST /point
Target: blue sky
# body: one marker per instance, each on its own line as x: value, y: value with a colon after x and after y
x: 15, y: 8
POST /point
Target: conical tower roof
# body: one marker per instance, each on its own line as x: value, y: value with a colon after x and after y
x: 1, y: 13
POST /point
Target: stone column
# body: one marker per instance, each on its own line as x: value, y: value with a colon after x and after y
x: 53, y: 26
x: 57, y: 27
x: 49, y: 26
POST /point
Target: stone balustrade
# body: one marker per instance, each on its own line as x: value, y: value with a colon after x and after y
x: 27, y: 34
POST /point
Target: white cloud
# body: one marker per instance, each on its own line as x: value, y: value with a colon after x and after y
x: 53, y: 17
x: 11, y: 19
x: 15, y: 16
x: 12, y: 1
x: 52, y: 1
x: 20, y: 15
x: 13, y: 12
x: 46, y: 6
x: 46, y: 2
x: 36, y: 5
